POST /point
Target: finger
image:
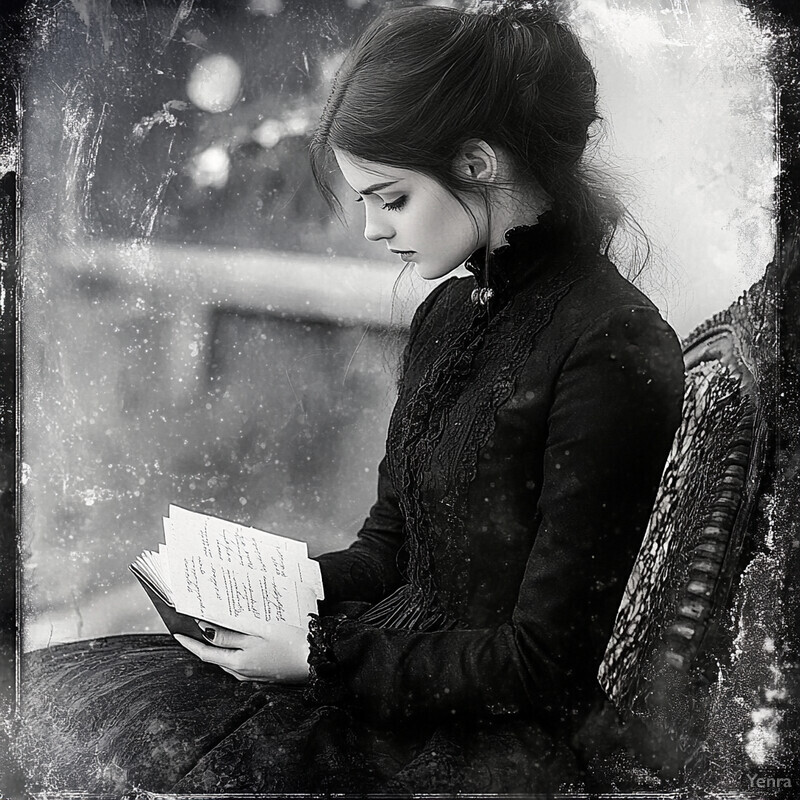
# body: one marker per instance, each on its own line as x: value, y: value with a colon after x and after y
x: 237, y: 675
x: 224, y: 637
x: 208, y: 653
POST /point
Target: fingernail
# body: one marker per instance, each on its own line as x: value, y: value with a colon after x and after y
x: 209, y: 633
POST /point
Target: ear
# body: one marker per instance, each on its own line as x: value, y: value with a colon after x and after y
x: 477, y: 160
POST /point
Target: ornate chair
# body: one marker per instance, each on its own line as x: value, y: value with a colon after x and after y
x: 672, y: 630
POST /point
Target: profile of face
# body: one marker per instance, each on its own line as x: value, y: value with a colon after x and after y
x: 416, y: 216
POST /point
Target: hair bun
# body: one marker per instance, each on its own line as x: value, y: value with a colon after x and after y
x: 554, y: 84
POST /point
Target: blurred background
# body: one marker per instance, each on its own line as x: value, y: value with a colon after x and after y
x: 198, y: 329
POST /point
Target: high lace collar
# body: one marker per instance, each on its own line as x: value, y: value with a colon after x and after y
x: 512, y: 265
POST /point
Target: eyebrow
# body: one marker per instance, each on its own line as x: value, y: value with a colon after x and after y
x: 376, y: 187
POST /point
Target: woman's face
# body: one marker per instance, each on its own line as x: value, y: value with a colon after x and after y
x: 415, y: 215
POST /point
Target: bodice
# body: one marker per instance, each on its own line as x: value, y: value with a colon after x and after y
x: 462, y: 366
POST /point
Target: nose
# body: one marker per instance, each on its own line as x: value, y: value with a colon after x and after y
x: 377, y: 227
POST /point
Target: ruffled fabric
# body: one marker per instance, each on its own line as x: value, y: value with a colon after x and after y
x: 324, y: 685
x: 404, y: 609
x: 509, y: 267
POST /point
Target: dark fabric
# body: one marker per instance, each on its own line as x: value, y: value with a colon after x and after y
x: 141, y: 712
x: 523, y: 457
x: 536, y: 477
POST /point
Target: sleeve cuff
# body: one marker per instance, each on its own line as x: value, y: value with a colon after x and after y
x: 325, y: 685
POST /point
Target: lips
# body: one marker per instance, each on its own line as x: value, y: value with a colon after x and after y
x: 406, y: 255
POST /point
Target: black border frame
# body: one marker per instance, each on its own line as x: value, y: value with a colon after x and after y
x: 18, y: 20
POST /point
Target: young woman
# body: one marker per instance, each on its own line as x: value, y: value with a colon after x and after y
x: 459, y: 642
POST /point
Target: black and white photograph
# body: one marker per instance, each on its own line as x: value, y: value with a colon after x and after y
x: 400, y: 398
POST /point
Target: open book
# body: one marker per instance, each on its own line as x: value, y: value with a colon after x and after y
x: 228, y: 574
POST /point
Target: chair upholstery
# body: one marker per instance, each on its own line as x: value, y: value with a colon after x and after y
x: 668, y: 628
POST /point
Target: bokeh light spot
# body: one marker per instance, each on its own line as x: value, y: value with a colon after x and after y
x: 211, y: 167
x: 269, y: 133
x: 214, y: 83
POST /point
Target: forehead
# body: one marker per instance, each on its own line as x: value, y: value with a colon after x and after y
x: 361, y: 174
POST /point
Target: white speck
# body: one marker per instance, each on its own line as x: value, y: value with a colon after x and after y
x: 762, y: 738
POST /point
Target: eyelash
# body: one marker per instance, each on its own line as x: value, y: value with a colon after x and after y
x: 394, y: 206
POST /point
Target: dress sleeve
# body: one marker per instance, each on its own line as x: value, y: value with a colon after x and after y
x: 616, y: 406
x: 368, y: 569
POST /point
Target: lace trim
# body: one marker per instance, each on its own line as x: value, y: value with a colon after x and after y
x: 504, y: 272
x: 460, y: 392
x: 412, y: 438
x: 325, y: 685
x: 504, y: 357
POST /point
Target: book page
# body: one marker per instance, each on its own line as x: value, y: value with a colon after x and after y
x: 185, y: 517
x: 220, y: 575
x: 152, y: 568
x: 245, y: 546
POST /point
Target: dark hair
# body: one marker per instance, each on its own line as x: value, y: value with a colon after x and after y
x: 421, y: 81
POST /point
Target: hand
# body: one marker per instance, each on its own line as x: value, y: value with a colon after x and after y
x: 279, y: 655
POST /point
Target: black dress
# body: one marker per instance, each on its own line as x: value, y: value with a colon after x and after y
x: 458, y: 645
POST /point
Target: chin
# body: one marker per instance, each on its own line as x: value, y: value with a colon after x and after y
x: 432, y: 272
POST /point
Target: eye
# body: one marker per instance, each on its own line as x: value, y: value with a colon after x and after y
x: 395, y: 205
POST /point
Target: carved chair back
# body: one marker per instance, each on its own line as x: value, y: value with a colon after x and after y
x: 668, y: 628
